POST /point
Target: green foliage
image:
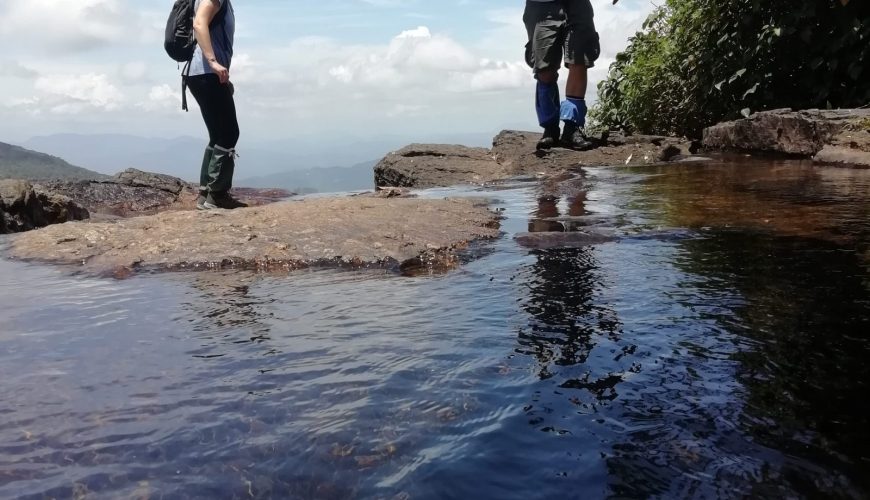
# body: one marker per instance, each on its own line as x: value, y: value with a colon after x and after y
x: 19, y: 163
x: 697, y: 62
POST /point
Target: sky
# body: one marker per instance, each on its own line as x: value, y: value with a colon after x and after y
x: 330, y: 69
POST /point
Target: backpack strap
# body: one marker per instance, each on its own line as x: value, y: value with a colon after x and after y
x: 185, y: 74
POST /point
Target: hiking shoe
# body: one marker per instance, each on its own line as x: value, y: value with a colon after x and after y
x: 200, y: 201
x: 574, y: 138
x: 550, y: 139
x: 215, y: 201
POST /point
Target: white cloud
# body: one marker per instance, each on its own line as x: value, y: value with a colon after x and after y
x: 76, y: 93
x: 417, y: 61
x: 411, y: 79
x: 419, y: 32
x: 134, y: 71
x: 163, y: 98
x: 68, y: 25
x: 13, y: 69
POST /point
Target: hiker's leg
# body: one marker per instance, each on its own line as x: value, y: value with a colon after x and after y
x: 228, y: 137
x: 205, y: 89
x: 573, y: 109
x: 219, y: 114
x: 545, y: 23
x: 547, y: 98
x: 581, y: 51
x: 578, y: 77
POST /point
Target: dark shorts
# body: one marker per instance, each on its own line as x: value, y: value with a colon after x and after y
x: 564, y: 29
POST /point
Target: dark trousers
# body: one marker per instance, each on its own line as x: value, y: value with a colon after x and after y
x: 219, y: 113
x: 218, y: 109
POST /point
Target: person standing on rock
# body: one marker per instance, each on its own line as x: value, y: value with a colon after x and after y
x: 209, y: 82
x: 561, y: 29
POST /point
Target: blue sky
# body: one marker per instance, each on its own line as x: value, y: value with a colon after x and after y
x: 365, y: 68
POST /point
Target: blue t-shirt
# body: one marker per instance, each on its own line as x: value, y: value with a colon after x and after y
x: 222, y: 33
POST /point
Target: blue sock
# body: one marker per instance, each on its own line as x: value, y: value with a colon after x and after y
x: 574, y: 110
x: 547, y: 104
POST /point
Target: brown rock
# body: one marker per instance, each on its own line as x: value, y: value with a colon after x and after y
x: 134, y: 193
x: 256, y: 197
x: 514, y: 154
x: 161, y: 182
x: 335, y: 231
x: 843, y: 156
x: 393, y: 192
x: 849, y: 147
x: 432, y: 165
x: 24, y: 207
x: 121, y: 199
x: 550, y: 240
x: 833, y: 136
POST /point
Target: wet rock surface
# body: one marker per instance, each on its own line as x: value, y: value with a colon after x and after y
x: 435, y: 165
x: 574, y: 239
x: 24, y: 206
x: 514, y: 154
x: 828, y: 136
x: 288, y: 235
x: 134, y: 192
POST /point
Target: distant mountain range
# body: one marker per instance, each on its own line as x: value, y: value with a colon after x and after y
x: 321, y: 180
x: 20, y: 163
x: 111, y: 153
x: 181, y: 156
x: 315, y: 163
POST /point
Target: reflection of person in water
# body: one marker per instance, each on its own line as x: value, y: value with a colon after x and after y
x: 227, y: 312
x: 547, y: 216
x: 566, y: 318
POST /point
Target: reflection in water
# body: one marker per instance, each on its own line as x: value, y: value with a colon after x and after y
x: 567, y: 321
x: 226, y: 311
x: 727, y: 362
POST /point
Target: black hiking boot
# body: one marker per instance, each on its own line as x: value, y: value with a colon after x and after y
x: 215, y: 201
x: 574, y: 138
x: 550, y: 139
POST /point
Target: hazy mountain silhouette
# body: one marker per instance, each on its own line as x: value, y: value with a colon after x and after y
x: 21, y: 163
x: 321, y: 180
x: 181, y: 156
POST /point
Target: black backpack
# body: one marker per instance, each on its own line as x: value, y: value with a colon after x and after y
x: 180, y: 41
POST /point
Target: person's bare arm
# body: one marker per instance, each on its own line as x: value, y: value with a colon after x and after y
x: 206, y: 12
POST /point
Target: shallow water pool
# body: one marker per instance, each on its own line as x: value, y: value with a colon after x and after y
x: 715, y: 344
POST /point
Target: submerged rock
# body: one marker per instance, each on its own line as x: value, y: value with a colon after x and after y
x: 827, y: 136
x: 24, y: 206
x: 514, y: 154
x: 551, y: 240
x: 337, y: 231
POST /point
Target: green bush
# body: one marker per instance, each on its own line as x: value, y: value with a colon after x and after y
x: 697, y: 62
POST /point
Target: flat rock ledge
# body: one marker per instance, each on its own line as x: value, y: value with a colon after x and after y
x: 513, y: 153
x: 839, y: 137
x: 396, y: 233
